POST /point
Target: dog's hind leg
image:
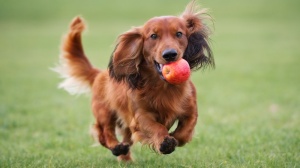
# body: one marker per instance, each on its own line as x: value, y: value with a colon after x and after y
x: 126, y: 134
x: 105, y: 126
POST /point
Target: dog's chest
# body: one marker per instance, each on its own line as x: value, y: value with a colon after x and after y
x: 167, y: 102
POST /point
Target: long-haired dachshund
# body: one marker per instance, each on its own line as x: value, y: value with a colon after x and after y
x: 131, y: 94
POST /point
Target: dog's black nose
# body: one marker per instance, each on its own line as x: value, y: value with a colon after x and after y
x: 169, y: 54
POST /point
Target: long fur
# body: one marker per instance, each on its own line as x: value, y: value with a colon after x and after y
x: 130, y: 94
x: 74, y: 67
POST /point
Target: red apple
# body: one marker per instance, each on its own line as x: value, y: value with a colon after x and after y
x: 176, y: 72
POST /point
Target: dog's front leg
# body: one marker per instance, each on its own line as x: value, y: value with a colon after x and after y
x: 148, y: 131
x: 185, y: 129
x: 187, y: 120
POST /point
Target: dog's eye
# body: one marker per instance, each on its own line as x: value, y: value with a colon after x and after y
x: 178, y: 34
x: 153, y: 36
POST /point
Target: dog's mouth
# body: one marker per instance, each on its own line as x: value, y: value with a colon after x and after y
x: 159, y: 68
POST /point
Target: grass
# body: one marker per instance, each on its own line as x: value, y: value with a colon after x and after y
x: 249, y: 106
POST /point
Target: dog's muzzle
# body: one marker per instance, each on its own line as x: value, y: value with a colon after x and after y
x: 159, y: 68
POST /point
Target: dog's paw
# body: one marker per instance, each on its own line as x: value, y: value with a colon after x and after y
x: 168, y: 145
x: 120, y: 149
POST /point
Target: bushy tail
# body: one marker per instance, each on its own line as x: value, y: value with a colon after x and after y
x: 74, y: 67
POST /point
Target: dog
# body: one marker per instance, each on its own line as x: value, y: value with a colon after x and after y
x: 131, y: 94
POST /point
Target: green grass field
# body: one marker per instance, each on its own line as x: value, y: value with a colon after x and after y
x: 249, y: 106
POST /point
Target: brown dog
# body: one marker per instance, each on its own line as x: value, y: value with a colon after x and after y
x: 131, y: 94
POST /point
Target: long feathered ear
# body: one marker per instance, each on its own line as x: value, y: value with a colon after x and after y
x: 126, y: 58
x: 198, y: 53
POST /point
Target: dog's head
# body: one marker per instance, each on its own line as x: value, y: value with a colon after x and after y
x: 159, y: 41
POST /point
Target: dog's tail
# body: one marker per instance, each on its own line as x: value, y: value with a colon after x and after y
x: 74, y: 66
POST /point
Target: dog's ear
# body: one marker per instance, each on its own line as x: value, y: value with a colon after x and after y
x: 198, y: 53
x: 127, y: 56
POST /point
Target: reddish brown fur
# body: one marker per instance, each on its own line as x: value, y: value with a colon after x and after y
x: 131, y: 95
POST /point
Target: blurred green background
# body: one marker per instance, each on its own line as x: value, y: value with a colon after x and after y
x: 248, y: 106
